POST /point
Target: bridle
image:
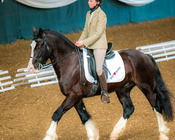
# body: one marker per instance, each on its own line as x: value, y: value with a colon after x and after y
x: 45, y: 46
x: 44, y: 66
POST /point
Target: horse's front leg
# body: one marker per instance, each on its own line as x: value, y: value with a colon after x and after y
x: 128, y: 108
x: 92, y: 131
x: 67, y: 104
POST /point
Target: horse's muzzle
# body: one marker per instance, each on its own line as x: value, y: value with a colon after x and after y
x: 31, y: 69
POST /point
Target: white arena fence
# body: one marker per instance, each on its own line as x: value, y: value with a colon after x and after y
x: 44, y: 77
x: 5, y: 84
x: 161, y: 51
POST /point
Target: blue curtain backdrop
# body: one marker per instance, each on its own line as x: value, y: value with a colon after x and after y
x: 16, y: 20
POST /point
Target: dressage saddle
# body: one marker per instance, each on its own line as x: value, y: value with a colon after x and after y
x: 91, y: 61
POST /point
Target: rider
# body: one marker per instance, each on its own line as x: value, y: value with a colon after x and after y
x: 94, y: 37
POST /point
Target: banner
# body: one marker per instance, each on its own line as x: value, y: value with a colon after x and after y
x: 136, y: 2
x: 46, y: 3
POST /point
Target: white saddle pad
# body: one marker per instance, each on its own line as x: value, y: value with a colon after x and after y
x: 115, y: 65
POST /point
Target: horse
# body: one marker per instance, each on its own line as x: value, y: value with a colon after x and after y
x: 141, y: 70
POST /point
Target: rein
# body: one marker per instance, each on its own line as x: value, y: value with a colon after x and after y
x: 44, y: 66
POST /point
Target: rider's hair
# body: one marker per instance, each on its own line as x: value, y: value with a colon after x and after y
x: 99, y: 1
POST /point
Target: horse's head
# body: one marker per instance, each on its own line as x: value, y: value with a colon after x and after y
x: 39, y: 50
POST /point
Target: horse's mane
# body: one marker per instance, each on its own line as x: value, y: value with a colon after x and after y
x: 57, y: 34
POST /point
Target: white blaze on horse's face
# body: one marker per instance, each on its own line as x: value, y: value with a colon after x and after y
x: 30, y: 66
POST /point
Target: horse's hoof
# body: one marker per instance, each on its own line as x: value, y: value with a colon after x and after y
x: 114, y: 137
x: 163, y: 137
x: 48, y: 137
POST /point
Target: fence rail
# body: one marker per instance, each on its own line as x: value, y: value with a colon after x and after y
x: 44, y: 77
x: 161, y: 51
x: 5, y: 84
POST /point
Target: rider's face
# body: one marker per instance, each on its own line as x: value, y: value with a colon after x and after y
x: 92, y: 3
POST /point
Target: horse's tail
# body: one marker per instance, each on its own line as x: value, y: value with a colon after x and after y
x: 163, y: 95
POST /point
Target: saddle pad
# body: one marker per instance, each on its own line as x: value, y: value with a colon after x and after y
x: 115, y: 65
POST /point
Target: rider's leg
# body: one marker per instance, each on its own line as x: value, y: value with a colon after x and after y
x: 99, y: 55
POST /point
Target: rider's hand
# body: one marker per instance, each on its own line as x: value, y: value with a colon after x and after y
x: 79, y: 43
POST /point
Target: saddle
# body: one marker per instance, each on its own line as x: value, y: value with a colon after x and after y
x: 91, y: 61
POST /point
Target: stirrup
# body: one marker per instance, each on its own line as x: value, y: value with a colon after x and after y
x: 105, y: 99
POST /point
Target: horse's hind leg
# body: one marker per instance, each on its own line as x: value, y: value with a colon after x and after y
x: 91, y: 129
x: 150, y: 93
x: 163, y: 130
x: 128, y: 108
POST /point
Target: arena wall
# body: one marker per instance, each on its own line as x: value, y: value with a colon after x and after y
x: 16, y: 20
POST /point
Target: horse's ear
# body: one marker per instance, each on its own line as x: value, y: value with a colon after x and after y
x: 41, y: 31
x: 33, y: 28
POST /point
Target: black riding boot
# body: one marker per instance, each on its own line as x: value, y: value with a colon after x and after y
x: 104, y: 89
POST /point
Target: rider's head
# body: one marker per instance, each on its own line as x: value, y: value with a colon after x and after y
x: 94, y: 3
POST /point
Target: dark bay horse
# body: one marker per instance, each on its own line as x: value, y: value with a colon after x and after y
x: 141, y: 70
